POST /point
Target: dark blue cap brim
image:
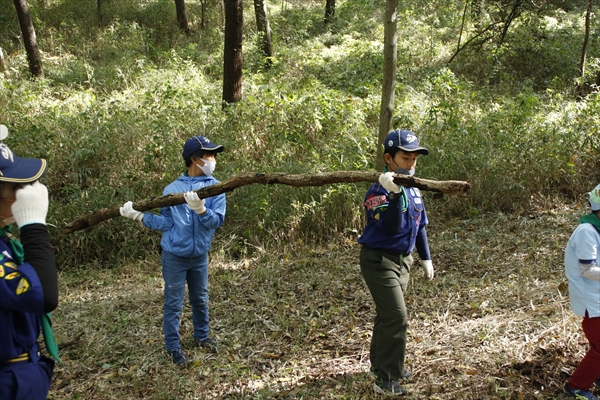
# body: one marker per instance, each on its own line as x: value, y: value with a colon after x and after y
x: 217, y: 148
x: 412, y: 149
x: 23, y: 170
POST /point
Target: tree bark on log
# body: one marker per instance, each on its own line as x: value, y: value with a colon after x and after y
x: 249, y: 178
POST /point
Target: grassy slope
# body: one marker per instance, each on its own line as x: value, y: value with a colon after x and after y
x: 494, y: 323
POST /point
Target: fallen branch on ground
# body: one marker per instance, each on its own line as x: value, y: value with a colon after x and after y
x: 318, y: 179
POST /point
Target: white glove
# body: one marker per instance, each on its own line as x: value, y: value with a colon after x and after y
x: 387, y: 181
x: 195, y: 202
x: 428, y: 266
x: 129, y: 212
x: 31, y: 205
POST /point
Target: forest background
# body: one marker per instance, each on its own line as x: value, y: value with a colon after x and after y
x: 512, y: 113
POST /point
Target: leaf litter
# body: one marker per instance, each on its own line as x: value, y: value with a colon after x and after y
x: 295, y: 323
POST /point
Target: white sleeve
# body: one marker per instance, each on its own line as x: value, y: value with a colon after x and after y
x: 590, y: 271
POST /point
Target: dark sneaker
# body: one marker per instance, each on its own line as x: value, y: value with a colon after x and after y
x: 178, y: 357
x: 209, y: 344
x: 578, y: 393
x: 405, y: 374
x: 389, y: 388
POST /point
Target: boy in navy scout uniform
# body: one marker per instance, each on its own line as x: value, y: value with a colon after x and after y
x: 28, y: 277
x: 396, y: 221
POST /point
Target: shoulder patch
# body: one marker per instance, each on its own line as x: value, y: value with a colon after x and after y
x: 375, y: 201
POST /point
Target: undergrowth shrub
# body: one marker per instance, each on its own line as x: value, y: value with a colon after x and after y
x: 122, y: 95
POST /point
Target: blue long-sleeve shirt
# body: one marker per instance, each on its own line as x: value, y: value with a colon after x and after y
x: 392, y: 229
x: 185, y: 232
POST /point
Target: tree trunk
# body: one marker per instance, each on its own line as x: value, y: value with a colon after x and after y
x: 390, y: 58
x: 99, y: 9
x: 29, y: 39
x: 182, y: 19
x: 462, y: 26
x: 586, y: 39
x: 203, y: 22
x: 3, y: 68
x: 513, y: 14
x: 248, y: 178
x: 329, y: 11
x: 262, y: 26
x: 232, y: 55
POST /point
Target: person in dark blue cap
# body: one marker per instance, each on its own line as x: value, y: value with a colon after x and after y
x: 396, y: 221
x: 188, y: 230
x: 28, y: 277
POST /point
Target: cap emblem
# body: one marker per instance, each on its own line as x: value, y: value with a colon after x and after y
x: 6, y: 153
x: 410, y: 138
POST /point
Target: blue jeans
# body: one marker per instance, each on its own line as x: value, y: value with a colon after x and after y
x: 176, y: 271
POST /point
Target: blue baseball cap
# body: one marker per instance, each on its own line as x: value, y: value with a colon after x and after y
x: 595, y: 199
x: 404, y: 140
x: 16, y: 169
x: 196, y: 143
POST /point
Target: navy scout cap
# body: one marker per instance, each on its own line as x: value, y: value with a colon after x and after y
x: 404, y: 140
x: 196, y: 143
x: 16, y: 169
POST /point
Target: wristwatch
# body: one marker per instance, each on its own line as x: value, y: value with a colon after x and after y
x: 393, y: 195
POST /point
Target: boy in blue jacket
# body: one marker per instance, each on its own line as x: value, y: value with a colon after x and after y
x: 188, y: 230
x: 396, y: 221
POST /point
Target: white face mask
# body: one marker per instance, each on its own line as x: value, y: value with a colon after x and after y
x: 402, y: 171
x: 208, y: 168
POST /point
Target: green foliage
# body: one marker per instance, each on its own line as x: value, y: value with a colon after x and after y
x: 122, y: 93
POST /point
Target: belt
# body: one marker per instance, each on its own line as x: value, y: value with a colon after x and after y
x: 22, y: 357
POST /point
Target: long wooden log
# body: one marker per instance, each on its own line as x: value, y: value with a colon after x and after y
x: 318, y: 179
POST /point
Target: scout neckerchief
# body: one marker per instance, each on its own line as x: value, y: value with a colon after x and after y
x: 591, y: 218
x: 16, y: 248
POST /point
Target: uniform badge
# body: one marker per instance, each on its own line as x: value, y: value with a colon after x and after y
x: 375, y: 201
x: 376, y: 216
x: 23, y: 286
x: 11, y: 265
x: 12, y: 276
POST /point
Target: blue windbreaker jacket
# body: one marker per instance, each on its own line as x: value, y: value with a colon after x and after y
x: 185, y: 233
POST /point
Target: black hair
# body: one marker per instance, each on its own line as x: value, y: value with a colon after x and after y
x: 392, y: 151
x: 199, y: 154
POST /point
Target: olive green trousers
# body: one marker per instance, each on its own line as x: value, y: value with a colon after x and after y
x: 386, y: 275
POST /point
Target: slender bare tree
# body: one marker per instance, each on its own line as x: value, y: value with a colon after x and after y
x: 232, y: 55
x: 586, y: 38
x: 182, y: 19
x: 329, y: 11
x: 3, y: 68
x: 390, y: 58
x: 262, y: 26
x: 29, y: 39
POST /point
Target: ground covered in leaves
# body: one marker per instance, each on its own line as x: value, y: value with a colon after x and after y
x: 295, y: 323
